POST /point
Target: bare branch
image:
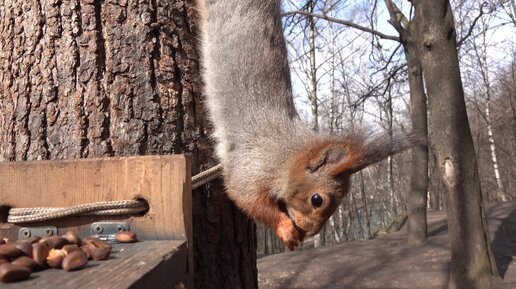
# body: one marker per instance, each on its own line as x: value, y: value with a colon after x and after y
x: 397, y: 16
x: 389, y: 60
x: 470, y: 30
x: 343, y: 22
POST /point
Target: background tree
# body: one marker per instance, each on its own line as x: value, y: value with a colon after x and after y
x: 382, y: 91
x: 417, y: 199
x: 472, y: 260
x: 83, y: 79
x: 361, y: 61
x: 482, y: 58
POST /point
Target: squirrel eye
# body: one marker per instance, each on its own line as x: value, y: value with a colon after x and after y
x: 316, y: 200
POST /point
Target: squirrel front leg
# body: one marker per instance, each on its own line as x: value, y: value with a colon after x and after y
x: 260, y: 207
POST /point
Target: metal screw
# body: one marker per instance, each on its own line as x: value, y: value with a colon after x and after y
x: 98, y: 229
x: 26, y: 233
x: 49, y: 232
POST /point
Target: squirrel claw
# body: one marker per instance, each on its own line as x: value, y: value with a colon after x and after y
x: 288, y: 233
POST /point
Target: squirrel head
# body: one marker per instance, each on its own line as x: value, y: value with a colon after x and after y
x: 319, y: 176
x: 317, y: 182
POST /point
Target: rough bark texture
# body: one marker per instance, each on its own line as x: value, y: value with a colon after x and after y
x: 417, y: 199
x: 110, y: 78
x: 472, y: 262
x: 225, y: 242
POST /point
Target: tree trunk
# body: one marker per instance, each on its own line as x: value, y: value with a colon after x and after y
x: 313, y: 67
x: 472, y: 262
x: 335, y: 228
x: 364, y: 201
x: 334, y: 102
x: 482, y: 59
x: 390, y: 180
x: 89, y: 78
x: 417, y: 199
x: 435, y: 186
x: 319, y: 239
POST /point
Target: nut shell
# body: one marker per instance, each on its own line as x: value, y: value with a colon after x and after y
x: 25, y: 261
x: 25, y: 247
x: 13, y: 273
x: 9, y: 251
x: 126, y: 237
x: 40, y: 253
x: 72, y: 238
x: 75, y: 261
x: 55, y: 258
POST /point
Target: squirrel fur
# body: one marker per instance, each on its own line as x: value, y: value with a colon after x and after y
x: 276, y: 169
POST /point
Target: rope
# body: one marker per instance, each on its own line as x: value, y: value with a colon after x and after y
x: 112, y: 208
x: 127, y: 207
x: 206, y: 176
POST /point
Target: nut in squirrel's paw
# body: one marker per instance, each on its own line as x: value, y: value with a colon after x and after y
x: 288, y: 233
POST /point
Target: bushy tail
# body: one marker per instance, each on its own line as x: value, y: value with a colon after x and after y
x: 380, y: 147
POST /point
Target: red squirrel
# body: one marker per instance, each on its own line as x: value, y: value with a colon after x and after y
x: 276, y: 170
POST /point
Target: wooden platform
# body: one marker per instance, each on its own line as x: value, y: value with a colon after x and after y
x: 162, y: 181
x: 149, y: 264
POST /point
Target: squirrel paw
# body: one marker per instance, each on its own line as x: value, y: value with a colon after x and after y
x: 288, y: 233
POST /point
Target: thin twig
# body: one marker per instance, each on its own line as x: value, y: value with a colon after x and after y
x: 470, y: 30
x: 343, y: 22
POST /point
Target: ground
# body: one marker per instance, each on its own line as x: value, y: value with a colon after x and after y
x: 388, y: 262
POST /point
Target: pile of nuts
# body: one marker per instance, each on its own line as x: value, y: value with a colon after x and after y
x: 69, y: 252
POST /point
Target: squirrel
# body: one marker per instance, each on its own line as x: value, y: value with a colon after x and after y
x: 275, y: 169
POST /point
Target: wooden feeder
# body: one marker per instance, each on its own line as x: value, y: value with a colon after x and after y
x: 162, y: 259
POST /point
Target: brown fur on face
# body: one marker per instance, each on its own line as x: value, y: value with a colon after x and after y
x: 321, y: 170
x: 325, y: 168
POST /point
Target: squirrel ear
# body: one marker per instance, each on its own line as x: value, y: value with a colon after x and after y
x: 330, y: 157
x: 341, y: 158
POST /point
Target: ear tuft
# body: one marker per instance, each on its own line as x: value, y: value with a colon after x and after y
x: 380, y: 147
x: 329, y: 156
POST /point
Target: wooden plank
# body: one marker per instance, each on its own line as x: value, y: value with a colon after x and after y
x: 163, y: 181
x: 149, y: 264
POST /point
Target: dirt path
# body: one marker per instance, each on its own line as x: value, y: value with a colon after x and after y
x: 388, y: 262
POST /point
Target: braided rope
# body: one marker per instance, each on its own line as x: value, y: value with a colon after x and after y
x: 111, y: 208
x: 206, y: 176
x: 126, y: 207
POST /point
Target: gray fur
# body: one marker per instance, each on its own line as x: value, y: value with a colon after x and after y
x: 250, y: 103
x: 248, y: 88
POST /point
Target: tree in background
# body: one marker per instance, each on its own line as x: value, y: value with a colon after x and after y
x: 417, y: 199
x: 417, y: 196
x: 472, y: 260
x: 362, y: 72
x: 481, y: 73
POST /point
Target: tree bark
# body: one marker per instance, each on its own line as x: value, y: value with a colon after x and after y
x: 417, y: 199
x: 364, y: 200
x: 313, y: 68
x: 395, y: 203
x: 472, y: 262
x: 89, y: 78
x: 435, y: 184
x: 320, y: 238
x: 484, y: 69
